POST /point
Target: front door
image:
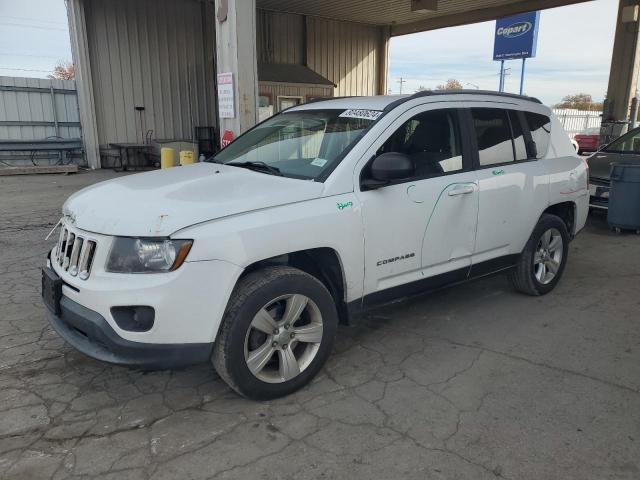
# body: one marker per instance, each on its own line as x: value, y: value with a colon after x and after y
x: 424, y: 226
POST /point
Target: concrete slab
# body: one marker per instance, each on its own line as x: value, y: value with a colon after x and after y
x: 475, y: 382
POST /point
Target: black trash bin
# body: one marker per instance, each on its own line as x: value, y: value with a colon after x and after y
x: 624, y: 197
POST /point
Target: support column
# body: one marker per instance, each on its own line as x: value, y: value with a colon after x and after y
x: 625, y: 61
x: 383, y: 61
x: 84, y: 83
x: 236, y: 54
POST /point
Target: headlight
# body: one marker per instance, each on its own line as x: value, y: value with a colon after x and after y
x: 141, y: 255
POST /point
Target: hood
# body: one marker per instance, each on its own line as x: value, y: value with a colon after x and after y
x: 158, y: 203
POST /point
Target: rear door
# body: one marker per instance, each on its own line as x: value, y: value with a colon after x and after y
x: 513, y: 185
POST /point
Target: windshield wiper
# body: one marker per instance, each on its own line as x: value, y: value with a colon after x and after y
x: 259, y: 167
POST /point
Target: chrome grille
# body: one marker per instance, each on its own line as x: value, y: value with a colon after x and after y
x: 74, y: 253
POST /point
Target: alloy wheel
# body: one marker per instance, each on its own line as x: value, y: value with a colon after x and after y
x: 548, y: 256
x: 283, y: 338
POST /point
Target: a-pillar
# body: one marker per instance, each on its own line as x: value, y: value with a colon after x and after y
x: 236, y: 55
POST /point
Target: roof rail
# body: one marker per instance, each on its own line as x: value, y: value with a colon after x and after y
x: 428, y: 93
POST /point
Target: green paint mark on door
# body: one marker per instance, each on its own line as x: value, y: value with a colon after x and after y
x: 342, y: 206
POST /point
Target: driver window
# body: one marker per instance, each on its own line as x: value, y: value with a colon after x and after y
x: 432, y: 140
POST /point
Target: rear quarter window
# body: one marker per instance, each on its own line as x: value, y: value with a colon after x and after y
x: 540, y: 127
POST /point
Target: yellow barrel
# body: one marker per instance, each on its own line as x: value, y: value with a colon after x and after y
x: 167, y: 157
x: 186, y: 157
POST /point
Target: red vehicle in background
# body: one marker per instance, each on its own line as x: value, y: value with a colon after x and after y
x: 588, y: 140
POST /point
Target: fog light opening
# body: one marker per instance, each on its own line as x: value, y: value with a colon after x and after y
x: 134, y: 318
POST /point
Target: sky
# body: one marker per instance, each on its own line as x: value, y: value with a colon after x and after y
x: 573, y: 55
x: 34, y: 37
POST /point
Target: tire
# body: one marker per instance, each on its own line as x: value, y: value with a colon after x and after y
x: 528, y: 277
x: 242, y: 339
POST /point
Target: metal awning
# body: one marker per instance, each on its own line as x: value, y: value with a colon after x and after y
x: 410, y: 16
x: 290, y: 73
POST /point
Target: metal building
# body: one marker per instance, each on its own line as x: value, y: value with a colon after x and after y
x: 162, y: 57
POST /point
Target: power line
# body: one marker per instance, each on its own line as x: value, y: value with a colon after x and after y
x: 24, y: 69
x: 6, y: 54
x: 27, y: 19
x: 41, y: 27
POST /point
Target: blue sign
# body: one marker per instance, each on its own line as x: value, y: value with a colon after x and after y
x: 516, y: 36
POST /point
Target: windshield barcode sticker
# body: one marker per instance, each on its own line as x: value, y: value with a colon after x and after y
x: 361, y: 113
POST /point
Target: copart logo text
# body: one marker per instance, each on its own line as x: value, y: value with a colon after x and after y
x: 514, y: 30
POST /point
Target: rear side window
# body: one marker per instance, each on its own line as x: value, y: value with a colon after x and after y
x: 493, y: 135
x: 540, y: 126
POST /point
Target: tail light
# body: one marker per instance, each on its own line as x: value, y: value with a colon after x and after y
x: 586, y: 165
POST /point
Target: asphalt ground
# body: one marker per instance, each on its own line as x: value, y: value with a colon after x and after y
x: 474, y: 382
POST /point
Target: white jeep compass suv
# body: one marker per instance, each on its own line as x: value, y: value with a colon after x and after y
x: 252, y: 259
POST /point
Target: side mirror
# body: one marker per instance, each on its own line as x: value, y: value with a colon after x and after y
x: 386, y: 168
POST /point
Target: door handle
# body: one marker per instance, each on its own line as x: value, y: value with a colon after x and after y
x: 464, y: 190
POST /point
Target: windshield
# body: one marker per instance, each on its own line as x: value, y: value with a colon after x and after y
x: 305, y: 144
x: 629, y: 143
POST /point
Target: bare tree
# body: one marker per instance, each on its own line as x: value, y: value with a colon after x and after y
x: 579, y: 101
x: 63, y: 71
x: 452, y: 84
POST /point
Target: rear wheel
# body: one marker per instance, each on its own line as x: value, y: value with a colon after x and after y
x: 543, y: 259
x: 276, y: 334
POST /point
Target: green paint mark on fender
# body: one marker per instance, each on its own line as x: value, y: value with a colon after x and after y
x: 498, y: 171
x: 342, y: 206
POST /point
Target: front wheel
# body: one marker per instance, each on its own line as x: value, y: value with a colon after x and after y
x: 276, y: 334
x: 543, y: 259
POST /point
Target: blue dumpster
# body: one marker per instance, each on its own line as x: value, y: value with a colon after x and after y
x: 624, y: 197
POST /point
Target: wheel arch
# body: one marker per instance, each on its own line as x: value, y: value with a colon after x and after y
x: 323, y: 263
x: 566, y: 211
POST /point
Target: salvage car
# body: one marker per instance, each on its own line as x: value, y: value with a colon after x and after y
x: 625, y: 149
x: 251, y: 260
x: 588, y: 140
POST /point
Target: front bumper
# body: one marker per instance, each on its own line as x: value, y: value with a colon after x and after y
x: 599, y: 194
x: 189, y: 302
x: 88, y: 332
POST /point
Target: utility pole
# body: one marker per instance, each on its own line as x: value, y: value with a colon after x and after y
x: 503, y: 74
x: 522, y: 77
x: 402, y: 81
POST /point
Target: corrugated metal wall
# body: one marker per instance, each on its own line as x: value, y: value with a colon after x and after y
x: 280, y: 37
x: 348, y: 54
x: 159, y: 54
x: 28, y: 111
